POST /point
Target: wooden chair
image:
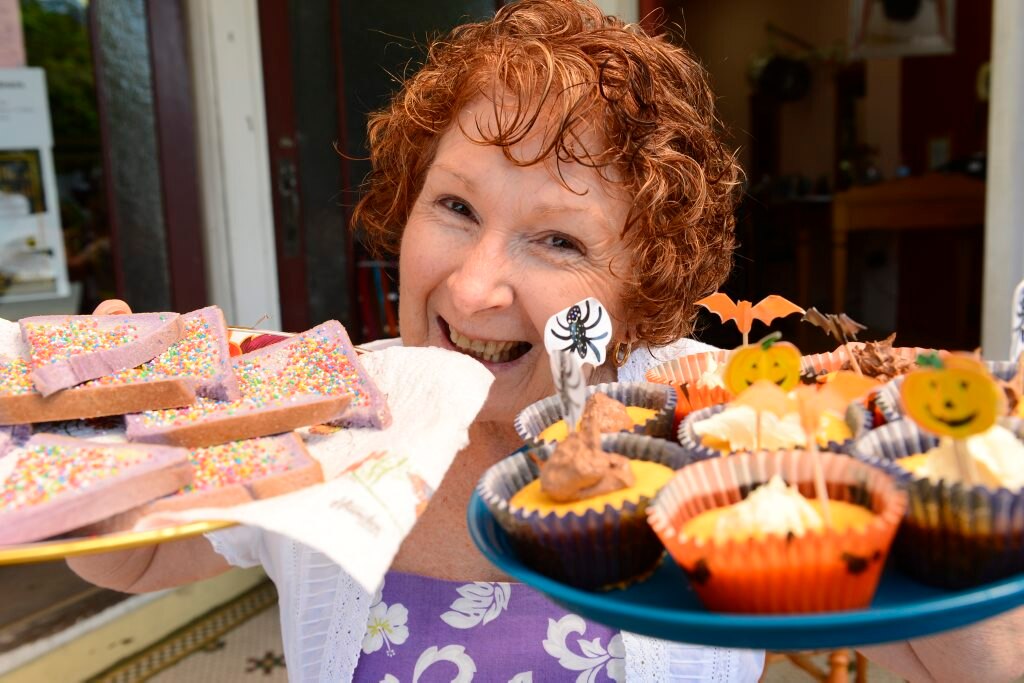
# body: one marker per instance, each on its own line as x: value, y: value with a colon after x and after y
x: 838, y: 665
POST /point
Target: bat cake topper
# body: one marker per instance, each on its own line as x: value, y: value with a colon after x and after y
x: 570, y: 385
x: 583, y: 330
x: 840, y: 327
x: 743, y: 313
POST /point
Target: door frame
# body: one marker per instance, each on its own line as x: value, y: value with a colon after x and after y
x: 233, y: 160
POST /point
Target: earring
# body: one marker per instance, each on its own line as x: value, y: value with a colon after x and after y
x: 621, y: 353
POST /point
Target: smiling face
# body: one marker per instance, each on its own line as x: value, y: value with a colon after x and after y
x: 491, y: 250
x: 958, y: 400
x: 778, y: 363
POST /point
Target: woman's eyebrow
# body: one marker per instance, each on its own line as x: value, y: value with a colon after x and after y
x: 582, y: 211
x: 461, y: 177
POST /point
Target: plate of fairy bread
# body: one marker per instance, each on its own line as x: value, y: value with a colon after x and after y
x: 106, y: 419
x: 777, y: 508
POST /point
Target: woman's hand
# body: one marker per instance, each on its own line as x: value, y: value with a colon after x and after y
x: 112, y: 307
x: 987, y: 652
x: 151, y: 568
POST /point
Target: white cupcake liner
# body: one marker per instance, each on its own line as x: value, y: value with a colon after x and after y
x: 535, y: 418
x: 598, y: 550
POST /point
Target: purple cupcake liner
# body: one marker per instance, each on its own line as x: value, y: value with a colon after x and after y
x: 889, y: 402
x: 598, y: 550
x: 954, y: 536
x: 537, y: 417
x: 691, y: 441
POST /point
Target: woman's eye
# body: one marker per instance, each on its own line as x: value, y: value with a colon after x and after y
x: 457, y: 206
x: 563, y: 243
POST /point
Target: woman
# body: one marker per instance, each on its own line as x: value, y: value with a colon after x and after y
x: 536, y: 159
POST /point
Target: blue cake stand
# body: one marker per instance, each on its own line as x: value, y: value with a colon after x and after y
x: 664, y: 605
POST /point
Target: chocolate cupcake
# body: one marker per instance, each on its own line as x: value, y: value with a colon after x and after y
x: 650, y: 406
x: 597, y: 544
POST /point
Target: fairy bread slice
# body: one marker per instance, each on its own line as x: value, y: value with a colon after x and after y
x: 60, y: 483
x: 67, y: 350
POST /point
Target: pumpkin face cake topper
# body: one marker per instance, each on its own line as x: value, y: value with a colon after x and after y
x: 953, y: 396
x: 769, y: 359
x: 743, y: 313
x: 570, y: 385
x: 584, y: 330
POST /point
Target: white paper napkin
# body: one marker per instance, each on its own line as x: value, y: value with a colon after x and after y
x: 377, y: 481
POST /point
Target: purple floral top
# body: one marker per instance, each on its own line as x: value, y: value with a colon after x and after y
x: 428, y: 630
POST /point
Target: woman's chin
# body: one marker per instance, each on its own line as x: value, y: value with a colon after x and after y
x: 505, y: 403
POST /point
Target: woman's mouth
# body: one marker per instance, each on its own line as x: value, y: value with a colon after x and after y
x: 488, y: 351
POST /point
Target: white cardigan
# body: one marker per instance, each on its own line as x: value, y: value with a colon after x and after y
x: 324, y: 612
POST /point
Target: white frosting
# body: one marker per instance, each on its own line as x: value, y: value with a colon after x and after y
x: 773, y: 508
x: 712, y: 377
x: 997, y: 459
x: 737, y: 425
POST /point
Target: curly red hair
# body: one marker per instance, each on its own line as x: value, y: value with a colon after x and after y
x: 566, y: 60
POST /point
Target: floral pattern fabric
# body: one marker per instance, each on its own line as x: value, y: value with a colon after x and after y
x: 424, y: 630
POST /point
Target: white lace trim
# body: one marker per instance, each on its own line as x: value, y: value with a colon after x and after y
x: 348, y: 610
x: 655, y: 660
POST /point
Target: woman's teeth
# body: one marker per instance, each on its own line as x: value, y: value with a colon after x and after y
x: 490, y: 351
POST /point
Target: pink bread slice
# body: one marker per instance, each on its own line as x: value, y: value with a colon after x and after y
x: 60, y: 483
x: 231, y: 474
x: 20, y: 403
x: 201, y: 355
x: 65, y: 350
x: 311, y: 378
x: 324, y: 359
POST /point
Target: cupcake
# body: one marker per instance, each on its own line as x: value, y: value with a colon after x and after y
x: 891, y: 407
x: 725, y: 429
x: 880, y: 359
x: 751, y: 537
x: 640, y: 407
x: 955, y: 535
x: 586, y: 530
x: 696, y: 379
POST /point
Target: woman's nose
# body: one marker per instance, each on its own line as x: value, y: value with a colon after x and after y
x: 480, y: 281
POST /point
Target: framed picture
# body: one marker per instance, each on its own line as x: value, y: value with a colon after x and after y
x: 901, y: 28
x: 21, y: 182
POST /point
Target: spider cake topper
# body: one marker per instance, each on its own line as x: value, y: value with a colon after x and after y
x: 570, y: 385
x: 584, y: 330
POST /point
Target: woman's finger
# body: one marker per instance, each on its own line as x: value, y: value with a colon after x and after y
x: 113, y: 307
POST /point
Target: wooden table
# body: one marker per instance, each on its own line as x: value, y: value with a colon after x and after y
x: 936, y: 200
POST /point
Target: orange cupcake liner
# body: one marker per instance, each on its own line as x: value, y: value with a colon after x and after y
x: 683, y: 373
x: 831, y: 361
x: 821, y: 571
